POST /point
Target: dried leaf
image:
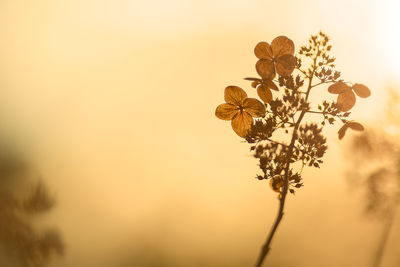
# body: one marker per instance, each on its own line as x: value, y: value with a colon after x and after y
x: 234, y: 95
x: 265, y: 68
x: 361, y: 90
x: 241, y: 123
x: 226, y: 111
x: 254, y: 107
x: 338, y: 88
x: 264, y: 93
x: 285, y: 65
x: 346, y: 100
x: 282, y: 45
x: 263, y: 51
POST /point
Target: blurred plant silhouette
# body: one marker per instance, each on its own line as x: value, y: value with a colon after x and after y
x: 377, y: 151
x: 20, y: 239
x: 282, y: 142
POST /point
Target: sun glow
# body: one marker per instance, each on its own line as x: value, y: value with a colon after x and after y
x: 389, y: 35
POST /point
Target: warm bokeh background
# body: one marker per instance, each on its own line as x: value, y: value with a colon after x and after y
x: 113, y: 103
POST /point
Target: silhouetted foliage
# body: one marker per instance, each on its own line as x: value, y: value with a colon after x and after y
x: 261, y: 124
x: 19, y: 237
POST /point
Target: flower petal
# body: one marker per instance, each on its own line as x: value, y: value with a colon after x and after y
x: 338, y: 88
x: 276, y: 184
x: 346, y: 100
x: 342, y: 131
x: 270, y: 84
x: 254, y: 107
x: 356, y: 126
x: 226, y: 111
x: 241, y: 123
x: 361, y: 90
x: 265, y: 68
x: 285, y: 65
x: 263, y: 50
x: 282, y: 45
x: 235, y: 95
x: 264, y: 93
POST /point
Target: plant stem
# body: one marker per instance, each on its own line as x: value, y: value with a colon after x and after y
x: 282, y: 200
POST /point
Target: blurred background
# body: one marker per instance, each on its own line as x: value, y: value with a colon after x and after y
x: 111, y: 106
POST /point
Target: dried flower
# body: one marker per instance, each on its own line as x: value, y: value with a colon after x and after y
x: 346, y: 98
x: 239, y: 109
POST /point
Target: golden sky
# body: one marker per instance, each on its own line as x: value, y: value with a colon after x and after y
x: 113, y: 102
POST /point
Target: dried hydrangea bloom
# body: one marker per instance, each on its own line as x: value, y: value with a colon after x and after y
x: 239, y: 109
x: 275, y: 58
x: 346, y: 98
x: 352, y: 125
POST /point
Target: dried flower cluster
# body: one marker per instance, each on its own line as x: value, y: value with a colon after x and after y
x: 261, y: 123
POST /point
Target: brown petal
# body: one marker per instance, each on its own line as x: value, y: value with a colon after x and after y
x: 254, y: 84
x: 276, y: 184
x: 346, y: 100
x: 264, y: 93
x: 355, y: 126
x: 263, y: 50
x: 282, y: 45
x: 241, y: 123
x: 361, y: 90
x: 265, y: 68
x: 270, y: 84
x: 235, y: 95
x: 226, y: 111
x: 285, y: 65
x: 342, y: 131
x: 338, y: 88
x: 254, y: 107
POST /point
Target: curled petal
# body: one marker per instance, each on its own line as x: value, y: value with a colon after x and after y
x: 282, y: 45
x: 270, y: 84
x: 338, y: 88
x: 361, y: 90
x: 241, y: 123
x: 346, y: 100
x: 226, y: 111
x: 285, y: 65
x: 254, y: 84
x: 263, y: 51
x: 254, y: 107
x: 235, y: 95
x: 264, y: 93
x: 265, y: 68
x: 355, y: 126
x: 276, y: 184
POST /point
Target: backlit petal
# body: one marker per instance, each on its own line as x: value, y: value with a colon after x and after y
x: 346, y: 100
x: 265, y: 68
x: 241, y: 123
x: 270, y: 84
x: 282, y: 45
x: 355, y: 126
x: 361, y: 90
x: 226, y: 111
x: 263, y: 50
x: 235, y: 95
x: 285, y: 65
x: 264, y: 93
x: 342, y: 131
x: 254, y: 107
x: 338, y: 88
